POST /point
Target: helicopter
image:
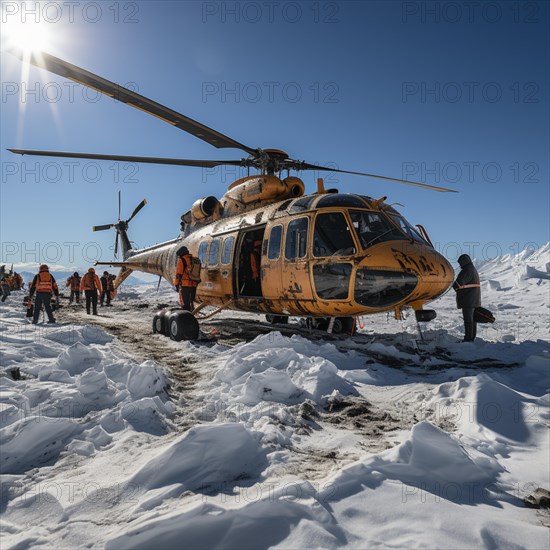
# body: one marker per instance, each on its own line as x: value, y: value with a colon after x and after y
x: 327, y: 256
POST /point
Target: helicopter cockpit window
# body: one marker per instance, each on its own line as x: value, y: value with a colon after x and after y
x: 340, y: 199
x: 274, y: 250
x: 214, y: 253
x: 380, y: 288
x: 332, y: 281
x: 373, y: 228
x: 296, y: 239
x: 202, y: 252
x: 332, y: 236
x: 407, y: 228
x: 302, y: 204
x: 227, y: 249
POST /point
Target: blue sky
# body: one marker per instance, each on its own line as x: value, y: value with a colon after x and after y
x: 455, y: 97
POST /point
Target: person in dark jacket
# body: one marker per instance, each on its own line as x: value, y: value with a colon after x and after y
x: 468, y: 295
x: 105, y: 294
x: 4, y: 283
x: 44, y: 285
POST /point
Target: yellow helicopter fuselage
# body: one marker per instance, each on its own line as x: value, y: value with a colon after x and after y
x: 321, y: 255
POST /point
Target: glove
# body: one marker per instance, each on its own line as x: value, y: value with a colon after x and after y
x: 178, y: 288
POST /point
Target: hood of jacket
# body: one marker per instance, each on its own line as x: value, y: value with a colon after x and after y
x: 464, y: 260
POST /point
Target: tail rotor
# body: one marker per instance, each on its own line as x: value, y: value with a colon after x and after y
x: 121, y: 227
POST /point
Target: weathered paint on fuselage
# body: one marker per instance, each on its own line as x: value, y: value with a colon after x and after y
x: 288, y: 285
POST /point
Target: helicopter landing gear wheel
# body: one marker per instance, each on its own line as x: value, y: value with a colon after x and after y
x: 182, y: 325
x: 343, y: 325
x: 276, y: 319
x: 319, y: 323
x: 159, y: 322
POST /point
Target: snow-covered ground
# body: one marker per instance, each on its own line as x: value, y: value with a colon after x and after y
x: 250, y: 438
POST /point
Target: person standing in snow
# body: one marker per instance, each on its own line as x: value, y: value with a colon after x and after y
x: 73, y: 282
x: 44, y: 285
x: 5, y: 287
x: 105, y: 294
x: 468, y: 295
x: 91, y: 285
x: 186, y: 287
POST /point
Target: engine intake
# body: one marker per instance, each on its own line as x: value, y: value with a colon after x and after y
x: 204, y: 208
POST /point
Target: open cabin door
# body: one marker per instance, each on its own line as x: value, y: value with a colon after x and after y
x: 248, y: 257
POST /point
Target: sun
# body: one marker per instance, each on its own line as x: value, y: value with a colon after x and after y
x: 29, y: 36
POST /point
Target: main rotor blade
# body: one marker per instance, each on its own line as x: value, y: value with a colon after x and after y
x: 137, y: 209
x: 119, y: 203
x: 124, y: 95
x: 306, y: 166
x: 125, y: 158
x: 116, y: 244
x: 102, y: 227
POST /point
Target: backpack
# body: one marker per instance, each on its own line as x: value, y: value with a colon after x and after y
x: 194, y: 269
x: 482, y: 315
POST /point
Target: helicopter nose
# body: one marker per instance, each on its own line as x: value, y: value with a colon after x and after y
x: 383, y: 287
x: 390, y: 275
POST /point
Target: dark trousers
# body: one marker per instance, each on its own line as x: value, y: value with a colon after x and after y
x: 91, y: 298
x: 187, y: 297
x: 470, y: 326
x: 43, y: 299
x: 5, y: 292
x: 75, y: 294
x: 105, y: 294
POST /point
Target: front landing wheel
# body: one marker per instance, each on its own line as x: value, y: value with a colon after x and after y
x: 183, y: 325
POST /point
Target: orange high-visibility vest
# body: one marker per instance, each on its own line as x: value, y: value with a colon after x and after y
x: 182, y: 272
x: 44, y: 282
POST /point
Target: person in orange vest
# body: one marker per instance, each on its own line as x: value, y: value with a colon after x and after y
x: 11, y: 281
x: 73, y: 282
x: 255, y: 259
x: 184, y: 285
x: 112, y: 289
x: 44, y: 285
x: 91, y: 285
x: 18, y: 281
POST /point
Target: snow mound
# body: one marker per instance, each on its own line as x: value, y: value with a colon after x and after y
x: 78, y: 358
x: 206, y: 457
x: 280, y: 369
x: 430, y: 458
x: 488, y: 410
x: 299, y: 524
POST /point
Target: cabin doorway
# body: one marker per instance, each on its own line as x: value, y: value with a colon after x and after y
x: 248, y: 263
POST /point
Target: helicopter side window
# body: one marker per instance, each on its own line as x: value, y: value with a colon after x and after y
x: 214, y: 253
x: 274, y: 250
x: 373, y: 228
x: 332, y: 236
x: 227, y: 250
x: 407, y: 228
x: 202, y: 252
x: 296, y: 239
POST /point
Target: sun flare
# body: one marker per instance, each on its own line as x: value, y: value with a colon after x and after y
x: 28, y: 36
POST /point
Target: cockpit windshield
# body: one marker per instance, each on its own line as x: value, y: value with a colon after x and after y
x: 407, y: 228
x: 373, y: 228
